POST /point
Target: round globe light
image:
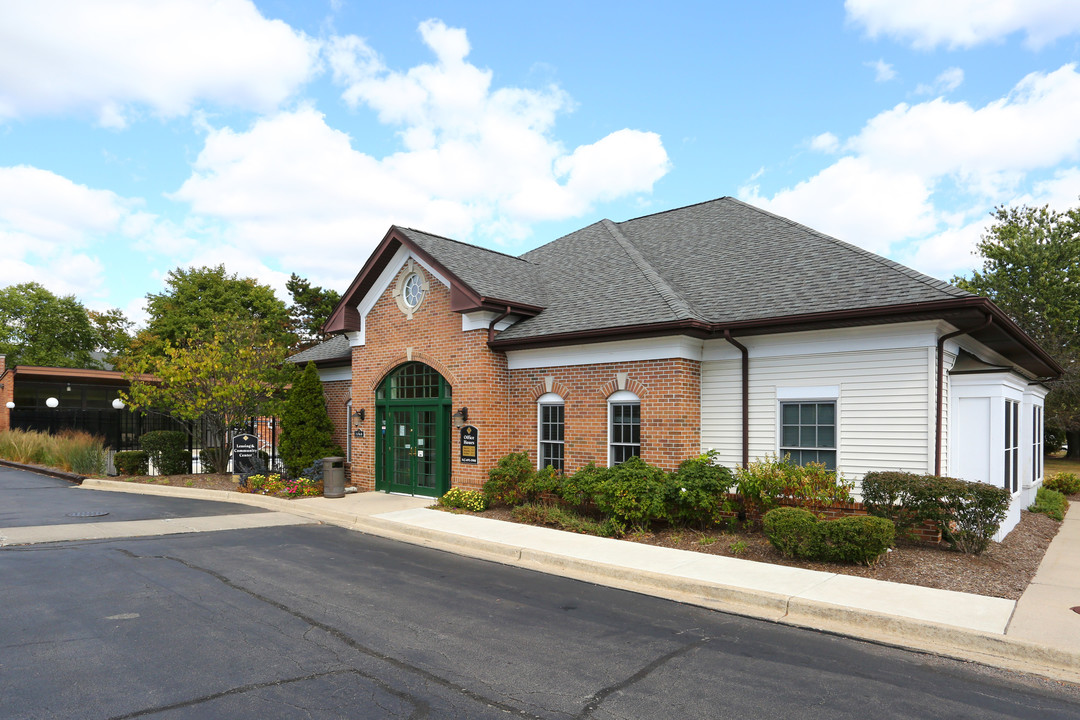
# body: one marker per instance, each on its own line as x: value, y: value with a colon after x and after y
x: 10, y: 405
x: 118, y: 404
x: 52, y: 402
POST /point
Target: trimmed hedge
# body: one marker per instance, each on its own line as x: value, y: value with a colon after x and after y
x: 168, y: 451
x: 792, y: 531
x: 633, y: 492
x: 967, y: 513
x: 860, y: 539
x: 132, y: 462
x: 695, y: 493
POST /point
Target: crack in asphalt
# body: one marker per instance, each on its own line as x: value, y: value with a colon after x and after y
x: 599, y: 697
x: 347, y: 640
x: 421, y: 706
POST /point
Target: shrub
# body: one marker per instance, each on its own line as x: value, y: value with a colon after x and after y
x: 860, y: 539
x: 1066, y: 483
x: 306, y: 428
x: 695, y: 492
x: 580, y: 489
x: 466, y: 499
x: 975, y: 511
x: 168, y: 451
x: 1051, y: 503
x: 508, y: 482
x: 967, y: 514
x: 763, y: 483
x: 633, y: 492
x: 792, y: 531
x: 132, y: 462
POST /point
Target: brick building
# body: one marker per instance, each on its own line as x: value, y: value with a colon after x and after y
x: 714, y: 326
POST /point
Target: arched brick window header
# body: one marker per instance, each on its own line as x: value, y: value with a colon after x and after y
x: 414, y: 356
x: 623, y: 382
x: 548, y: 385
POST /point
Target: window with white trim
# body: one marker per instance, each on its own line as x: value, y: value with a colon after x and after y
x: 551, y: 426
x: 1037, y: 432
x: 808, y: 432
x: 1012, y: 446
x: 624, y: 427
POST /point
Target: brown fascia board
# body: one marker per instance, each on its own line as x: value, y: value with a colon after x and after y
x: 462, y: 297
x: 810, y: 321
x: 36, y: 372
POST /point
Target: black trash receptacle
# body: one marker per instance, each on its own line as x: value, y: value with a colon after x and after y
x: 333, y: 477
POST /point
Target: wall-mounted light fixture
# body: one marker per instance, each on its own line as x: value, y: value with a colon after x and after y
x: 68, y: 388
x: 358, y: 416
x: 460, y: 417
x: 10, y: 405
x: 52, y: 402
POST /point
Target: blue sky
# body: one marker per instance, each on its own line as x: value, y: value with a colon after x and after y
x: 285, y: 136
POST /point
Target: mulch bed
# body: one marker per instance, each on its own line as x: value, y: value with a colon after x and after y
x: 206, y: 482
x: 1004, y: 570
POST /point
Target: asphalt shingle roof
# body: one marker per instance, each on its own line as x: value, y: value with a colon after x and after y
x: 719, y: 261
x: 491, y: 274
x: 336, y: 348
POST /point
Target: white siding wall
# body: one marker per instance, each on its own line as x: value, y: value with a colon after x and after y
x: 884, y: 405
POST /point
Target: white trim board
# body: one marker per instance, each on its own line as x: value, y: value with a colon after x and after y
x: 335, y: 374
x: 676, y: 346
x: 386, y: 277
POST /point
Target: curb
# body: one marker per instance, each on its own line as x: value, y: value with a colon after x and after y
x: 944, y: 640
x: 51, y: 472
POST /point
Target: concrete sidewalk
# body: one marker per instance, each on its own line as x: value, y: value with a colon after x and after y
x: 1039, y: 633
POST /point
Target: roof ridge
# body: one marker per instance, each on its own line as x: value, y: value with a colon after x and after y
x: 891, y: 264
x: 467, y: 244
x: 674, y: 301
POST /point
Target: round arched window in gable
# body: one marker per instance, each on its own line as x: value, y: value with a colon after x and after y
x: 412, y: 287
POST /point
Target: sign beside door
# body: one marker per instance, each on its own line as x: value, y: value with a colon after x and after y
x: 469, y: 444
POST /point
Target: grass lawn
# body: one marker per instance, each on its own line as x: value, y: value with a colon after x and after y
x: 1054, y: 465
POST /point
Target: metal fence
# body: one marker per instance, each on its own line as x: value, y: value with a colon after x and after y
x: 122, y: 429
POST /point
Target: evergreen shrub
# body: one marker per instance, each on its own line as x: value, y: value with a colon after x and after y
x: 792, y: 531
x: 696, y: 491
x: 132, y: 462
x: 634, y: 493
x: 168, y: 451
x: 510, y: 481
x: 859, y: 539
x: 1050, y: 503
x: 306, y: 429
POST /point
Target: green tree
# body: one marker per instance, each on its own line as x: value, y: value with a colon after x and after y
x: 113, y: 332
x: 198, y: 300
x: 236, y: 373
x: 1031, y: 270
x: 306, y: 429
x: 310, y: 309
x: 39, y: 328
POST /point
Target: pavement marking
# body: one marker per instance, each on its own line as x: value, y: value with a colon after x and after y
x: 142, y: 528
x: 123, y: 616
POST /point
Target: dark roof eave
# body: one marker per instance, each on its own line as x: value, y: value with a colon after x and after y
x: 345, y: 318
x: 795, y: 323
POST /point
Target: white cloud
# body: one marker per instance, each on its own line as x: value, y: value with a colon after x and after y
x: 889, y: 191
x: 947, y: 81
x: 115, y: 57
x: 46, y: 221
x: 826, y: 142
x: 966, y: 23
x: 477, y: 162
x: 883, y: 71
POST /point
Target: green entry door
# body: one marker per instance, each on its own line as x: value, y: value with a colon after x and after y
x: 413, y: 451
x: 413, y: 426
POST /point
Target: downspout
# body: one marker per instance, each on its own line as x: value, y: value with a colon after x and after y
x: 491, y: 327
x: 941, y: 383
x: 745, y: 396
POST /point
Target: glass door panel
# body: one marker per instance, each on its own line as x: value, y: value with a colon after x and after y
x: 426, y: 449
x: 402, y: 448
